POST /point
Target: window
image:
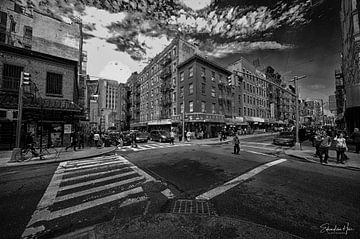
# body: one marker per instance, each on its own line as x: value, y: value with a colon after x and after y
x: 191, y: 71
x: 174, y: 51
x: 174, y: 96
x: 174, y: 111
x: 53, y: 84
x: 11, y: 77
x: 213, y: 92
x: 213, y: 108
x: 202, y: 71
x: 181, y: 76
x: 213, y: 75
x: 203, y: 107
x: 191, y: 106
x: 203, y: 87
x: 182, y: 92
x: 181, y: 108
x: 174, y: 67
x: 174, y: 82
x: 12, y: 26
x: 244, y: 110
x: 239, y: 111
x: 191, y: 88
x: 28, y: 33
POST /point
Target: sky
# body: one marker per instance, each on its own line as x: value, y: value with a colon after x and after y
x: 298, y: 37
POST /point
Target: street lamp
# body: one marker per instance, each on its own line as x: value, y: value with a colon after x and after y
x: 297, y: 144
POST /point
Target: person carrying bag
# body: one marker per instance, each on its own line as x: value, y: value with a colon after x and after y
x: 340, y: 148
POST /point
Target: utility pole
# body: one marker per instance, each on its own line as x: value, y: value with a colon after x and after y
x: 17, y: 150
x: 297, y: 144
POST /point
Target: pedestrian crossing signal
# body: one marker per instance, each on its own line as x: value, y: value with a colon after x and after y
x: 26, y: 78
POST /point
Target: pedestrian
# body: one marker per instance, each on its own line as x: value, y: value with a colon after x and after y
x: 96, y: 139
x: 356, y: 138
x: 133, y: 140
x: 340, y: 148
x: 180, y: 137
x: 317, y: 142
x: 324, y: 148
x: 81, y: 139
x: 172, y: 137
x: 236, y: 142
x: 73, y: 141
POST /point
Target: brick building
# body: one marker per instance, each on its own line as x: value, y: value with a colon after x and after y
x: 157, y: 83
x: 205, y: 96
x: 350, y: 27
x: 49, y: 49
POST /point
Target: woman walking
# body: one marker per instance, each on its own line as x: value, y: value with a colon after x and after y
x: 340, y: 148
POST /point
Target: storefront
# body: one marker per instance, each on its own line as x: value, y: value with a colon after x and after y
x: 201, y: 124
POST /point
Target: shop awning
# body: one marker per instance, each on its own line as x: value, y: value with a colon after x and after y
x: 160, y: 122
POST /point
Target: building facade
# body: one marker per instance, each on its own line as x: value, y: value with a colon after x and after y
x: 49, y: 49
x: 340, y: 99
x: 350, y: 27
x: 123, y: 106
x: 158, y: 82
x: 203, y: 96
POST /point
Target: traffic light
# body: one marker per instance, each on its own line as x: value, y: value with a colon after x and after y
x: 229, y: 80
x: 26, y: 78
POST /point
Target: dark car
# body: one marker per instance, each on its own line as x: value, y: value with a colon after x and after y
x: 141, y: 137
x: 285, y: 138
x: 126, y: 137
x: 160, y: 135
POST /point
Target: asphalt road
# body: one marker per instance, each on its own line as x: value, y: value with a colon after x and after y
x: 293, y: 196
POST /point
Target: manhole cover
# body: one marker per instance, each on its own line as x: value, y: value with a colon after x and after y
x: 186, y: 206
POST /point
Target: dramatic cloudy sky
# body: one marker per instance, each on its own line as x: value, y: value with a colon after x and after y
x: 298, y: 37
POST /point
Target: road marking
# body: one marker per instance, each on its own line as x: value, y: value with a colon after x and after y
x: 254, y: 152
x: 94, y: 203
x: 97, y: 189
x: 249, y: 146
x: 90, y: 166
x: 96, y: 181
x: 236, y: 181
x: 266, y: 144
x: 82, y: 163
x: 143, y: 147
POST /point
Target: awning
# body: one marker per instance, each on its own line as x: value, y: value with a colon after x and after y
x: 160, y: 122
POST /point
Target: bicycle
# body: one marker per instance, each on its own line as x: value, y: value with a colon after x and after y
x: 30, y: 152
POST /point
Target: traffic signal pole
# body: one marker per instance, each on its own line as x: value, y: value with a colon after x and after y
x: 17, y: 150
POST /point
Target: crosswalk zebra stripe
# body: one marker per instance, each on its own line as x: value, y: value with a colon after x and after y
x: 97, y: 189
x: 98, y: 180
x: 272, y: 149
x: 94, y: 174
x: 81, y: 162
x: 89, y: 163
x: 94, y: 203
x: 96, y: 167
x: 91, y: 166
x: 254, y: 152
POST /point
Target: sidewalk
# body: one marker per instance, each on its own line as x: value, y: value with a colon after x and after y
x: 87, y: 152
x: 229, y: 139
x: 308, y: 152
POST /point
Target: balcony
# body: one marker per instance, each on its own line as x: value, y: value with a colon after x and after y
x: 165, y: 73
x: 166, y: 87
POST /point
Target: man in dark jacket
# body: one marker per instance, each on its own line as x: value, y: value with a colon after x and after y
x: 324, y: 148
x: 356, y: 138
x: 236, y: 144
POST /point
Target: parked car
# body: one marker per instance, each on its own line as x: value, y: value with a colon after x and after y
x: 160, y: 135
x: 285, y: 138
x: 141, y: 137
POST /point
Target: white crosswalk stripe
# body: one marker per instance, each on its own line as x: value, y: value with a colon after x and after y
x: 142, y: 147
x: 84, y: 185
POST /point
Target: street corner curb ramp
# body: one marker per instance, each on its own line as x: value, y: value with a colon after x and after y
x: 190, y: 207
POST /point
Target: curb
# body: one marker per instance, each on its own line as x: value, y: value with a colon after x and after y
x: 8, y: 165
x: 314, y: 161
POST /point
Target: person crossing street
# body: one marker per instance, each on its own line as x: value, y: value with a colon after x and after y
x: 236, y: 142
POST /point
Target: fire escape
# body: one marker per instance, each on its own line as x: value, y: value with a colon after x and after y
x: 166, y: 88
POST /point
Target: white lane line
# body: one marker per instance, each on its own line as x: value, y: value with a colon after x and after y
x: 236, y: 181
x: 266, y: 144
x: 249, y: 146
x: 97, y: 189
x: 254, y: 152
x: 95, y: 174
x: 94, y: 203
x: 42, y: 212
x: 89, y: 163
x: 96, y: 181
x: 91, y: 166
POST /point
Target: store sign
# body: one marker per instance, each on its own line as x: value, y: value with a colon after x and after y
x: 67, y: 128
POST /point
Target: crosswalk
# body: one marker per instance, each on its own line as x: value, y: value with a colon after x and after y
x: 263, y: 146
x: 148, y: 146
x: 82, y: 188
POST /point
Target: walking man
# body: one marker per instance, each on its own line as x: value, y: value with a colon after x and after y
x: 324, y: 148
x: 356, y: 137
x: 236, y: 144
x: 73, y: 141
x: 172, y: 137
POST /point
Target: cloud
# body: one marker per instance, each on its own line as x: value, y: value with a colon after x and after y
x: 317, y: 87
x: 196, y: 4
x: 115, y: 70
x: 222, y: 50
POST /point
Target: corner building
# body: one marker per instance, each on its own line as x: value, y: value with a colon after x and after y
x: 157, y: 83
x: 205, y: 96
